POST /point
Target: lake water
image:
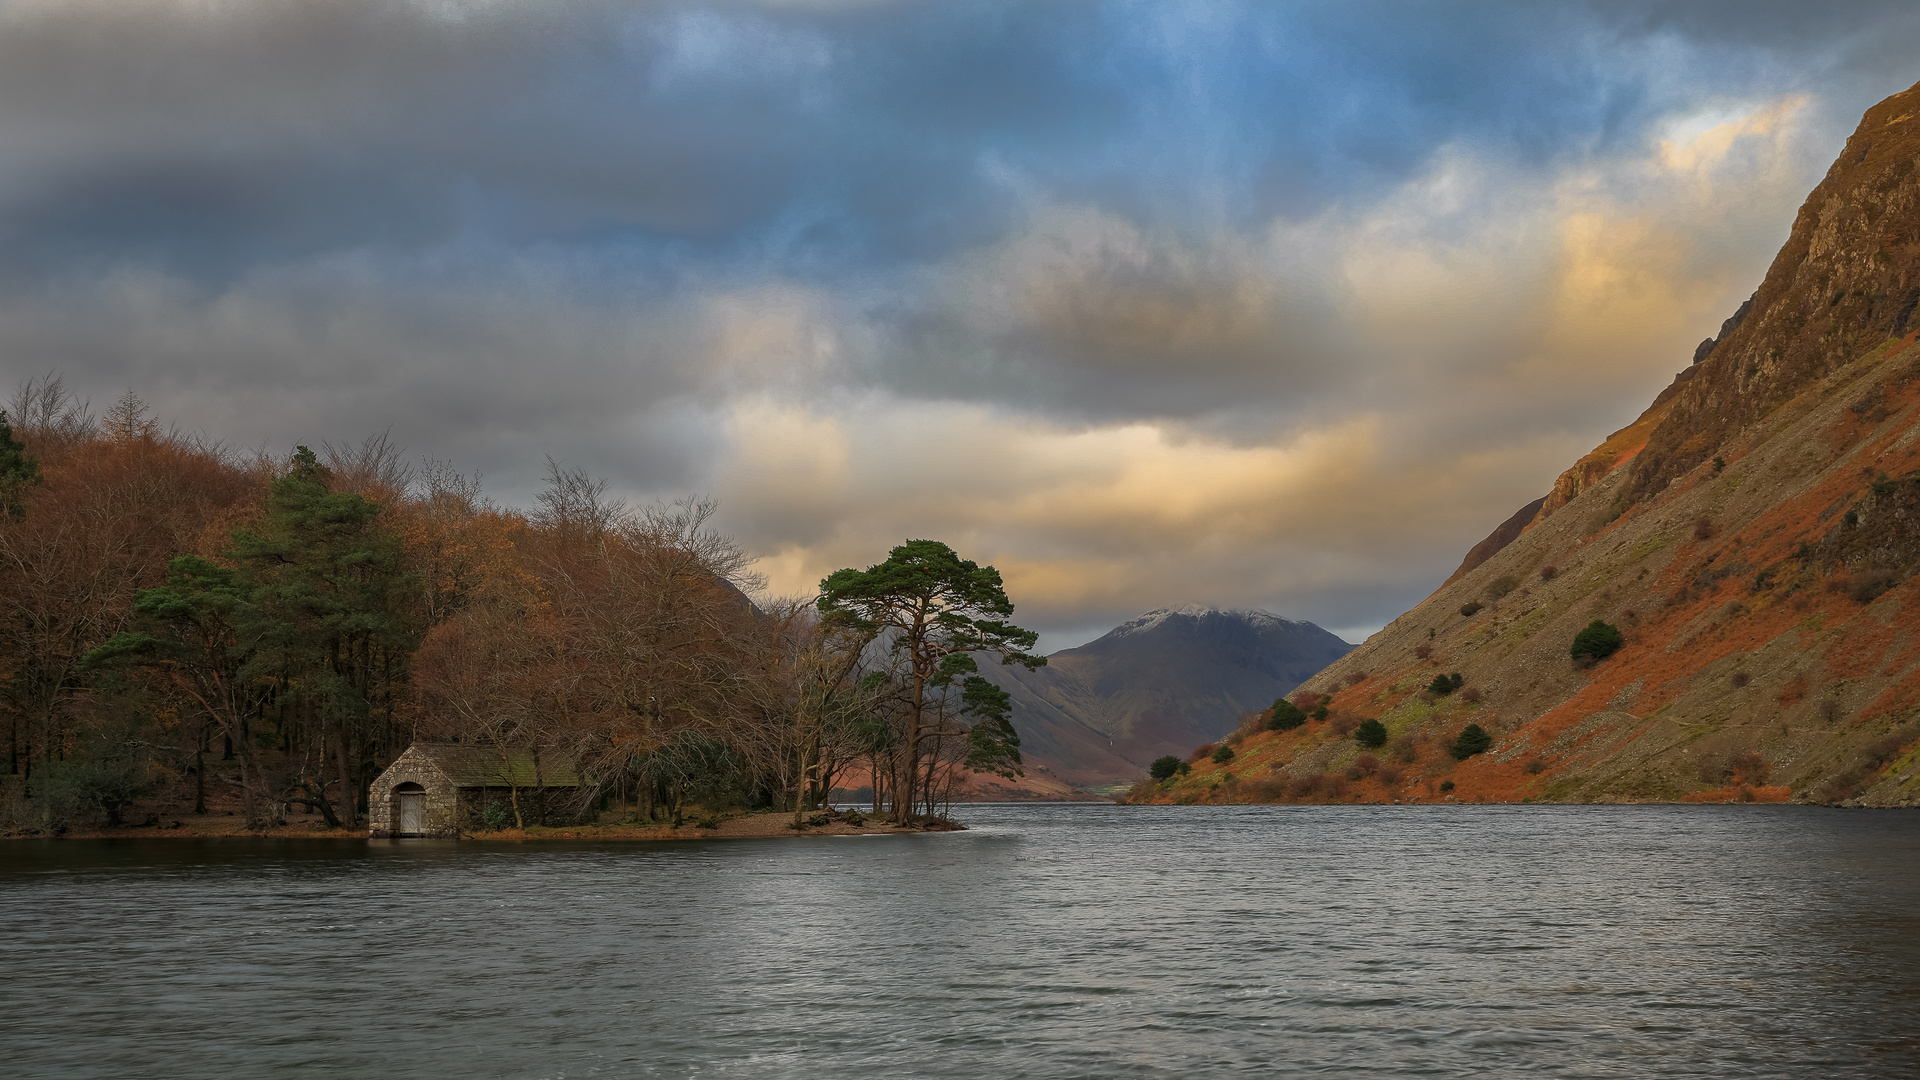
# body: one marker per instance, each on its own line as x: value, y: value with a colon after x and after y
x: 1048, y: 941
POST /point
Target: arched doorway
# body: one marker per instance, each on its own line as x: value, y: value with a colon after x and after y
x: 409, y: 810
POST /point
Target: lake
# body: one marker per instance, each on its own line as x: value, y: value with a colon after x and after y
x: 1047, y: 941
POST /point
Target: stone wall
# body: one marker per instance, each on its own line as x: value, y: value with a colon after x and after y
x: 443, y: 799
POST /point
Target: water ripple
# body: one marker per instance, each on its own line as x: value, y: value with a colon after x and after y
x: 1048, y: 941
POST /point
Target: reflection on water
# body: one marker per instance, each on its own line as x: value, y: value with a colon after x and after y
x: 1049, y: 941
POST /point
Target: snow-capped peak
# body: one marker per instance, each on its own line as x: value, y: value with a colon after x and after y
x: 1157, y: 616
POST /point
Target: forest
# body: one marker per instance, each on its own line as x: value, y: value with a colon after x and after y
x: 261, y: 635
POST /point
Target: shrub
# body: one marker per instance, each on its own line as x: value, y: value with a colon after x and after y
x: 1355, y: 678
x: 1367, y: 764
x: 1447, y: 684
x: 1423, y: 650
x: 496, y: 816
x: 1319, y: 711
x: 1750, y: 768
x: 1537, y: 766
x: 1471, y: 608
x: 1200, y: 751
x: 1886, y: 749
x: 1304, y: 787
x: 1499, y: 587
x: 1223, y: 755
x: 1719, y: 463
x: 1185, y: 768
x: 1866, y: 587
x: 1371, y: 733
x: 1470, y: 695
x: 1446, y: 785
x: 1390, y: 774
x: 1597, y: 642
x: 1473, y: 740
x: 1548, y: 573
x: 1703, y: 529
x: 1285, y: 716
x: 1164, y: 767
x: 1740, y: 679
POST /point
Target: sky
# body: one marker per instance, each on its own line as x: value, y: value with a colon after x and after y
x: 1263, y: 304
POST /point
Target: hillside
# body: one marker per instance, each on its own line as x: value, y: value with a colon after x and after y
x: 1753, y: 535
x: 1158, y: 684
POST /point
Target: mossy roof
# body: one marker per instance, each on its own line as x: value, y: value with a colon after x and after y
x: 485, y: 766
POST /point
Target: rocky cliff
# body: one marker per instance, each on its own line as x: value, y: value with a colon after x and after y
x: 1754, y: 538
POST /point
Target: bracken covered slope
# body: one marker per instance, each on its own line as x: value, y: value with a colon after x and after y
x: 1754, y: 536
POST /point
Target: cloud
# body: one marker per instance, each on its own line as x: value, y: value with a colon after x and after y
x: 1146, y: 303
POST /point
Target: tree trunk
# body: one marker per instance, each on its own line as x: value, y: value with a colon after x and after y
x: 348, y: 796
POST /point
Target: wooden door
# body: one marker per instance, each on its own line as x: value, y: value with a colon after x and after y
x: 410, y: 809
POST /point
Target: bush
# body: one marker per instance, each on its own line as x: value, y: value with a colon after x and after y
x: 496, y: 816
x: 1446, y: 785
x: 1471, y: 608
x: 1367, y: 764
x: 1750, y: 768
x: 1499, y: 587
x: 1470, y: 695
x: 1285, y: 716
x: 1371, y: 733
x: 1597, y: 642
x: 1473, y: 740
x: 1164, y: 767
x: 1548, y: 573
x: 1447, y: 684
x: 1223, y: 755
x: 1423, y: 650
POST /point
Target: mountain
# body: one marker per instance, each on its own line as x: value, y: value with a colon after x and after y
x: 1753, y: 536
x: 1158, y: 684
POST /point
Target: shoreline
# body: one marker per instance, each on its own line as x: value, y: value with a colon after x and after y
x: 744, y: 827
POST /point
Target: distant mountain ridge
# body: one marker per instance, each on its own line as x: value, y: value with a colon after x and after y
x: 1157, y: 684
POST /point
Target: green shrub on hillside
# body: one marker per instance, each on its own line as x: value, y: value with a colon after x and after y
x: 1447, y: 684
x: 1473, y: 740
x: 1370, y: 733
x: 1502, y: 585
x: 1164, y: 767
x: 1223, y: 755
x: 1597, y: 642
x: 1285, y: 716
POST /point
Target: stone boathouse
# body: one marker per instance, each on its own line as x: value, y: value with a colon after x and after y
x: 445, y: 789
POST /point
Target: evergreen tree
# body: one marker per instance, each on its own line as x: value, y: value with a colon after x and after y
x: 1597, y: 641
x: 329, y: 593
x: 1285, y: 716
x: 18, y: 471
x: 1473, y: 740
x: 935, y: 611
x: 1370, y: 733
